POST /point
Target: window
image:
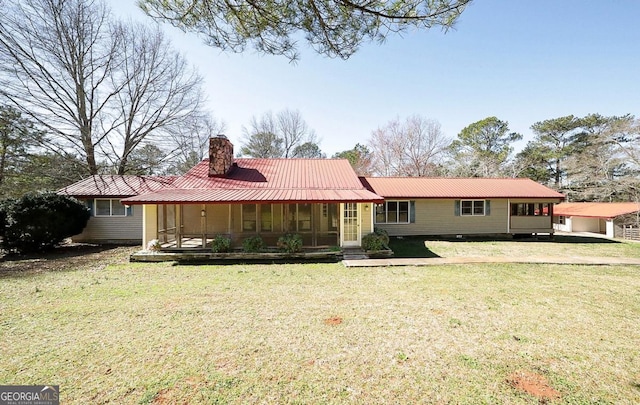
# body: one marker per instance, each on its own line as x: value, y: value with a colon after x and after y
x: 109, y: 208
x: 561, y: 220
x: 529, y: 209
x: 249, y: 217
x: 393, y: 212
x: 472, y: 207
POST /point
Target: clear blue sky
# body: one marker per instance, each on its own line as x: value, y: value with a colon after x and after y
x: 521, y: 61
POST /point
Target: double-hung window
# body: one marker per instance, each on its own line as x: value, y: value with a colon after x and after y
x: 109, y: 208
x: 393, y: 212
x: 472, y: 207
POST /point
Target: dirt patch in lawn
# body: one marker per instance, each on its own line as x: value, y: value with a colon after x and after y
x: 533, y: 384
x: 183, y: 392
x: 71, y: 256
x: 333, y: 321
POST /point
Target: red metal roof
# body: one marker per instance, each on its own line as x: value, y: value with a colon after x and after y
x: 116, y: 185
x: 426, y: 187
x: 266, y: 180
x: 595, y: 209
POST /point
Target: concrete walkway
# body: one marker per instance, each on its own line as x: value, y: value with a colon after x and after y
x: 437, y: 261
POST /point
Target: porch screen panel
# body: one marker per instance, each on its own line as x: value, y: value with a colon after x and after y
x: 328, y: 224
x: 191, y: 224
x: 266, y: 218
x: 249, y: 217
x: 292, y: 217
x: 277, y: 217
x: 304, y: 217
x: 217, y: 218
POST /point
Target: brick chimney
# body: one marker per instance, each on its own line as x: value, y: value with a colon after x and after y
x: 220, y: 156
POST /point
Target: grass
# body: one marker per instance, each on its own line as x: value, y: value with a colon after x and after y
x: 560, y: 246
x: 157, y: 333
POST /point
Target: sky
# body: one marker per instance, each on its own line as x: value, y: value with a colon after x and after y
x: 522, y: 61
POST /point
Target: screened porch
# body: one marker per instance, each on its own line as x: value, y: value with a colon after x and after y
x: 193, y: 226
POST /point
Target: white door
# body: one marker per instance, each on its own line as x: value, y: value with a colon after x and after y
x: 350, y: 225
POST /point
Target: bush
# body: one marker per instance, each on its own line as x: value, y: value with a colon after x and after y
x: 290, y: 243
x: 221, y: 244
x: 372, y: 241
x: 38, y: 222
x: 253, y: 244
x: 5, y: 206
x: 384, y: 235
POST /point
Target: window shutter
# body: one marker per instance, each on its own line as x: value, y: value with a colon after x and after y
x: 129, y: 210
x: 90, y: 206
x: 456, y: 208
x: 487, y: 207
x: 412, y: 212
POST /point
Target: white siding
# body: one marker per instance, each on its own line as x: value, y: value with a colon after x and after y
x: 113, y: 229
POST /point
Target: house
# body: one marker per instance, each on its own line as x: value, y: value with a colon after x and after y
x: 462, y: 206
x: 111, y: 221
x: 320, y: 199
x: 323, y: 200
x: 615, y: 220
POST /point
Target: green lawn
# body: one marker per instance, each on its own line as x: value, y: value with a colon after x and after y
x: 560, y: 246
x: 145, y: 333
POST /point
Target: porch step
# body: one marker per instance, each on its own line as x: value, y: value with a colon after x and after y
x: 354, y: 254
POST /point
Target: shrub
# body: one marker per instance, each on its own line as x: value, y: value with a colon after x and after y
x: 221, y: 244
x: 384, y: 235
x: 5, y: 206
x: 37, y: 222
x: 290, y: 243
x: 252, y: 244
x: 372, y: 241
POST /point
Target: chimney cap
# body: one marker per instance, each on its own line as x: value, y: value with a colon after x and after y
x: 223, y: 136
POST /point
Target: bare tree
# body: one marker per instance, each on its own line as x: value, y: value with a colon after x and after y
x: 189, y: 143
x: 294, y: 131
x: 159, y: 92
x: 414, y: 147
x: 99, y: 87
x: 261, y: 138
x: 625, y: 133
x: 55, y: 60
x: 285, y: 134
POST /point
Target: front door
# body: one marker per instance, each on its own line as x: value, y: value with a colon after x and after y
x: 350, y: 225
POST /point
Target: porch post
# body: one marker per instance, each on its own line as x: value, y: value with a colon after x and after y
x: 341, y: 224
x: 203, y: 225
x: 178, y: 212
x: 149, y: 223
